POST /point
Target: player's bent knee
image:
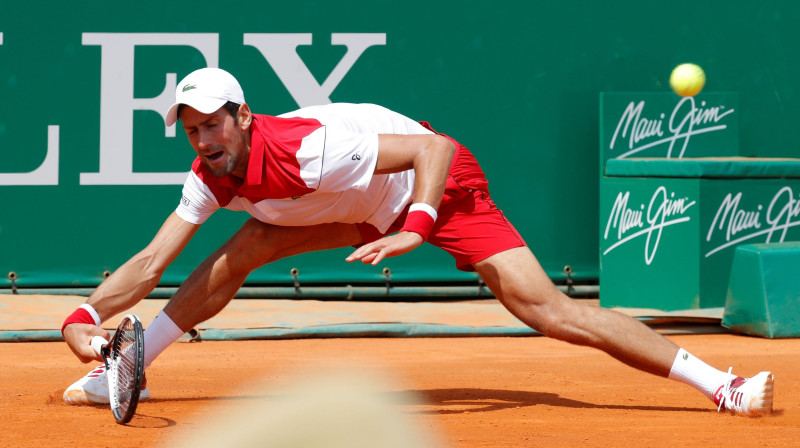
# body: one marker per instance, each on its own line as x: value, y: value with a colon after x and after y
x: 256, y: 236
x: 250, y: 247
x: 254, y: 230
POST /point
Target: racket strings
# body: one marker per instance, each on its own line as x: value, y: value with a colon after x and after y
x: 126, y: 365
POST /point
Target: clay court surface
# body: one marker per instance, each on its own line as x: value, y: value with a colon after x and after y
x: 473, y: 392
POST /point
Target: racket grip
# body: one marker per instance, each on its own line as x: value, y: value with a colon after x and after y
x: 97, y: 344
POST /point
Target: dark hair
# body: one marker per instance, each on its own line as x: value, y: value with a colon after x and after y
x: 230, y: 106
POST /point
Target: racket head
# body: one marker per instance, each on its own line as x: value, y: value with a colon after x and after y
x: 126, y: 368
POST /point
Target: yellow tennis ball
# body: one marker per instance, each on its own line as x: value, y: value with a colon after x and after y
x: 687, y: 79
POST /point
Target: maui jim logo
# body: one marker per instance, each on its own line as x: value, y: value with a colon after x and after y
x: 740, y: 224
x: 685, y: 121
x: 188, y: 87
x: 664, y: 210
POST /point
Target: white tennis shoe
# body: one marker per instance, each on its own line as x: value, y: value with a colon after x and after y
x: 748, y: 396
x: 93, y: 389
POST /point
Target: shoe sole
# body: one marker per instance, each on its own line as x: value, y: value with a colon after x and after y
x: 761, y: 404
x: 79, y: 397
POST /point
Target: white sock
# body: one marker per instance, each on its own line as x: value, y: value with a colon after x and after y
x: 690, y: 370
x: 158, y: 336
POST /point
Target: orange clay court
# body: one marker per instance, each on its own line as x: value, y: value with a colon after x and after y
x: 461, y: 391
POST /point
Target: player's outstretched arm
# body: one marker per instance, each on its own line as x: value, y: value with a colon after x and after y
x: 430, y: 156
x: 130, y: 283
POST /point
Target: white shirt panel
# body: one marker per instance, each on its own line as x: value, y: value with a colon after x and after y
x: 349, y: 160
x: 309, y: 157
x: 197, y: 202
x: 335, y: 159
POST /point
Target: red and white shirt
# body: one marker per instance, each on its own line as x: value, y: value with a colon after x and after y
x: 311, y: 166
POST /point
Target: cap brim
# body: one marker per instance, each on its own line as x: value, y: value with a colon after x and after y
x: 203, y: 105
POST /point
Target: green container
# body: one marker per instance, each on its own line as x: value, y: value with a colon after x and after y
x: 764, y: 294
x: 668, y: 242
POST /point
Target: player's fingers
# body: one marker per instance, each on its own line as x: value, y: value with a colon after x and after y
x: 378, y: 257
x: 363, y: 251
x: 102, y: 332
x: 389, y: 246
x: 89, y: 358
x: 388, y: 250
x: 90, y: 353
x: 357, y: 254
x: 368, y: 258
x: 86, y: 354
x: 79, y: 337
x: 354, y: 256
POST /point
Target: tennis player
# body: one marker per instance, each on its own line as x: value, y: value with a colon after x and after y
x: 357, y: 175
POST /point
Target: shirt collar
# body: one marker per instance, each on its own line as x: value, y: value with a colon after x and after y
x: 255, y: 163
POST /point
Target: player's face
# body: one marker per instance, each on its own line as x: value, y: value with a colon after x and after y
x: 221, y: 141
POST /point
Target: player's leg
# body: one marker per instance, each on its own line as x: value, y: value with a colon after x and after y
x: 522, y: 286
x: 212, y: 285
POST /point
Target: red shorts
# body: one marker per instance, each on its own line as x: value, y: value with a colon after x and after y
x: 470, y: 227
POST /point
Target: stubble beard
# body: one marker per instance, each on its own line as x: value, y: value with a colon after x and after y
x: 225, y: 170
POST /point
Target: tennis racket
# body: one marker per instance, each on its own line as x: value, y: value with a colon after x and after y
x: 124, y: 359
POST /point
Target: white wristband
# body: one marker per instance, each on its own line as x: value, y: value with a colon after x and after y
x: 423, y: 207
x: 92, y: 313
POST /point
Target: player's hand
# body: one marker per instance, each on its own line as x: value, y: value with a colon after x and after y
x: 79, y: 339
x: 390, y: 246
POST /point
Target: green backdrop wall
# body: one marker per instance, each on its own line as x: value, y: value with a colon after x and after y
x: 88, y: 172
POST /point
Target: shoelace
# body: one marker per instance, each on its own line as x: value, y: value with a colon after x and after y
x: 726, y: 390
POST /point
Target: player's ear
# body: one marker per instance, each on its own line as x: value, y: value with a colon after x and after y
x: 244, y: 116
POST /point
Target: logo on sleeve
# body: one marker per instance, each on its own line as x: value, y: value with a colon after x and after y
x: 356, y: 156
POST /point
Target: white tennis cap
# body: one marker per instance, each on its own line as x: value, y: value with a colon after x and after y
x: 206, y: 90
